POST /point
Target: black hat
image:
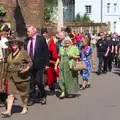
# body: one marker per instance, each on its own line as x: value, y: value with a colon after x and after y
x: 44, y: 30
x: 68, y: 30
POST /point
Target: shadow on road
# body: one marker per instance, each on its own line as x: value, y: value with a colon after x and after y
x: 49, y: 93
x: 117, y: 70
x: 117, y: 73
x: 16, y: 109
x: 94, y: 72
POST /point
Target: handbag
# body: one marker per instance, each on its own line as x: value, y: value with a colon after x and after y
x: 78, y: 65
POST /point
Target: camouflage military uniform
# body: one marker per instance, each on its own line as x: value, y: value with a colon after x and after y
x: 4, y: 27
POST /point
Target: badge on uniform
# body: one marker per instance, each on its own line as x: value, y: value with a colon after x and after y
x: 100, y: 44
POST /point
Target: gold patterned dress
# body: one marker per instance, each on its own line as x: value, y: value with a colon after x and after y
x: 18, y: 81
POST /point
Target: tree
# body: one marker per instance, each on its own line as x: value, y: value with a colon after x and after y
x: 49, y: 9
x: 84, y: 18
x: 77, y: 18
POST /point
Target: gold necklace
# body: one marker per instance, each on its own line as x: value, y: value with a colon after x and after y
x: 14, y: 59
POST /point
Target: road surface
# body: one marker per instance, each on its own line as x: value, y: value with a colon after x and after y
x: 100, y: 102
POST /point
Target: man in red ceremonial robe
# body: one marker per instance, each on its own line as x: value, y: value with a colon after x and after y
x: 51, y: 73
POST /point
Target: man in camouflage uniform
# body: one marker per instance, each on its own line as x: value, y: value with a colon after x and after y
x: 4, y: 25
x: 4, y: 30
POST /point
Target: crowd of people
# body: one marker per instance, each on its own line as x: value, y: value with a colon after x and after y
x: 40, y: 61
x: 28, y: 66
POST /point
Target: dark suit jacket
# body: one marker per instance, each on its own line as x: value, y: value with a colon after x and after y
x: 41, y: 55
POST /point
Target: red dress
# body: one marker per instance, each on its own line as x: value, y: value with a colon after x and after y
x: 51, y: 73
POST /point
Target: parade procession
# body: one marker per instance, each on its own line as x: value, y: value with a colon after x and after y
x: 60, y: 65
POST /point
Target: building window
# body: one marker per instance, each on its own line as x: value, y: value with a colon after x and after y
x: 108, y: 7
x: 115, y: 7
x: 88, y: 9
x: 114, y: 25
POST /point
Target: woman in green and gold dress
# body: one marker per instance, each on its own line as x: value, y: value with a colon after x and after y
x: 68, y: 79
x: 17, y: 74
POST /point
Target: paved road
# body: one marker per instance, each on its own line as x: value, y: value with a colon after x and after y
x: 100, y: 102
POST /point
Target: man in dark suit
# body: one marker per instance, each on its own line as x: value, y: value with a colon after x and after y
x: 38, y: 51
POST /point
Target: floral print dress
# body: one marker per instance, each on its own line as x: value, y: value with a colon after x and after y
x: 85, y: 57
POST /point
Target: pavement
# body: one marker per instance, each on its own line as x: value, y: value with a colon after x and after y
x: 100, y: 102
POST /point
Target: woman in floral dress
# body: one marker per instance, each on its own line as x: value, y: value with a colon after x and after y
x: 86, y: 52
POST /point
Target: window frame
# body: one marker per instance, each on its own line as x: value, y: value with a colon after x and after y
x: 115, y: 7
x: 88, y: 9
x: 108, y: 8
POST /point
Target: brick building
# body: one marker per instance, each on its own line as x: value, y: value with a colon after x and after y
x: 22, y: 13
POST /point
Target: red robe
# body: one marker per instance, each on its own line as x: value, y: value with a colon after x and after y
x: 73, y: 41
x: 51, y: 73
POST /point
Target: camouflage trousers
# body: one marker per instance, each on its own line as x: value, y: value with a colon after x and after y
x: 2, y: 76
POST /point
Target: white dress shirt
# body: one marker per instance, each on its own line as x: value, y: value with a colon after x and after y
x: 2, y: 46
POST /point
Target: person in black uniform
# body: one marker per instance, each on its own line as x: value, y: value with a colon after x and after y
x: 110, y: 53
x: 102, y: 52
x: 118, y: 51
x: 115, y: 44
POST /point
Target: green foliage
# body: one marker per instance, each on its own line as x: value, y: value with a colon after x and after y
x: 2, y: 10
x: 77, y: 18
x: 84, y: 18
x: 49, y: 9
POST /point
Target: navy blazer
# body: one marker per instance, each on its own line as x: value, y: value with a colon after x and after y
x: 41, y: 55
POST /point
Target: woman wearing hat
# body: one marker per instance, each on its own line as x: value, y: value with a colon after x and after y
x: 17, y: 74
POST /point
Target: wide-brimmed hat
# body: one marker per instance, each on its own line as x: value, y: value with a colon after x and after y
x: 13, y: 39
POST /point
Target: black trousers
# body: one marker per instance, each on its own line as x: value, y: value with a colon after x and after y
x: 37, y: 79
x: 102, y: 65
x: 116, y: 59
x: 110, y: 59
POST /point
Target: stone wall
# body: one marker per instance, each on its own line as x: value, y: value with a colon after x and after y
x: 89, y: 27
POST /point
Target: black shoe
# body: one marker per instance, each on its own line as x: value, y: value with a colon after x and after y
x: 51, y: 87
x: 104, y: 72
x: 43, y: 101
x: 30, y: 102
x: 88, y: 85
x: 98, y: 73
x: 58, y: 93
